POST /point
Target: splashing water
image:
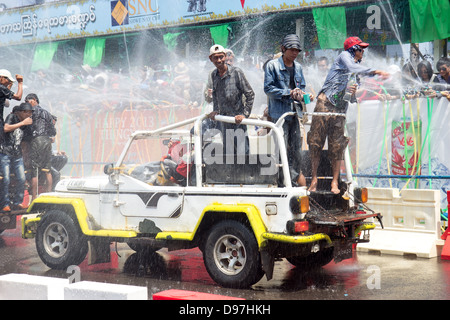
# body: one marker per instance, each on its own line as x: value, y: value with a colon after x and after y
x: 142, y: 85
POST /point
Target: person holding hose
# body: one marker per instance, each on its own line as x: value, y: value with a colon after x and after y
x: 334, y: 97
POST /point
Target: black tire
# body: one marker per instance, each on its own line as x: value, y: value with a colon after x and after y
x: 314, y: 260
x: 231, y: 255
x: 59, y: 240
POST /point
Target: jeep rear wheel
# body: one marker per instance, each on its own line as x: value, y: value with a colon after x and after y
x: 231, y: 255
x: 59, y: 241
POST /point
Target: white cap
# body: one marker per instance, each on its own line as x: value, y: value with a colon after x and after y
x: 217, y: 48
x: 5, y: 73
x: 229, y: 52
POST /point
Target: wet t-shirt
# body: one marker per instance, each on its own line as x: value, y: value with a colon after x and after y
x: 339, y: 75
x: 5, y: 93
x: 291, y: 71
x: 14, y: 138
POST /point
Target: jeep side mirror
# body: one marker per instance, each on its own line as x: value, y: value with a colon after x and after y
x: 108, y: 169
x: 113, y: 175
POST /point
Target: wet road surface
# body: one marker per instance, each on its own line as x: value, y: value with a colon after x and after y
x: 365, y: 277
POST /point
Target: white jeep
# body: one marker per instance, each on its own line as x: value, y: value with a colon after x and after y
x: 238, y: 211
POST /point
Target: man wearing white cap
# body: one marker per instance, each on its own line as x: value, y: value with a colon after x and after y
x: 229, y: 88
x: 6, y: 81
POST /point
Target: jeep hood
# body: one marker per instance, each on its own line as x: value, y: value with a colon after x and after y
x: 89, y: 184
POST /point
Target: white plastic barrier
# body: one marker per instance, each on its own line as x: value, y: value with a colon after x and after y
x: 28, y: 287
x: 87, y: 290
x: 411, y: 222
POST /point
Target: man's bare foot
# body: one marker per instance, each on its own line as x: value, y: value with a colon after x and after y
x: 313, y: 186
x: 301, y: 181
x: 335, y: 188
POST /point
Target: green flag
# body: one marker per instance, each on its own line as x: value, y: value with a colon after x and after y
x: 331, y: 27
x: 43, y: 55
x: 93, y: 51
x: 219, y: 34
x: 170, y: 40
x: 430, y: 20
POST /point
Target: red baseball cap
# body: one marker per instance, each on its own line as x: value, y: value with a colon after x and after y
x: 352, y: 41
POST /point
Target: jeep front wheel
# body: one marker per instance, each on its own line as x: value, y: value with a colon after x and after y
x: 231, y: 255
x: 59, y: 241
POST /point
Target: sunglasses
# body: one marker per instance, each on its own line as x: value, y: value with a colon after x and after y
x: 7, y: 79
x: 443, y: 69
x: 358, y: 48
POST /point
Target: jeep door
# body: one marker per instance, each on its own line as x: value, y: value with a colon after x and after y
x: 143, y: 200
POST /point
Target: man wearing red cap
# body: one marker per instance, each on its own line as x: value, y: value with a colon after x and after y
x: 331, y: 100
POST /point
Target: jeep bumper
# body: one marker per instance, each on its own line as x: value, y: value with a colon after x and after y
x: 303, y: 239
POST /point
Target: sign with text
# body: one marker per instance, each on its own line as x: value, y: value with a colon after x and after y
x: 74, y: 19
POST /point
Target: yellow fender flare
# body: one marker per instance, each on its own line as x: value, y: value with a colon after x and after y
x: 82, y: 217
x: 251, y: 211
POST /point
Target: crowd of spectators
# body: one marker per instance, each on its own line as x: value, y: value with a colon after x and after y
x: 182, y: 84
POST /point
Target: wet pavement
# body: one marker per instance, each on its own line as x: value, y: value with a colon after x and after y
x: 365, y: 277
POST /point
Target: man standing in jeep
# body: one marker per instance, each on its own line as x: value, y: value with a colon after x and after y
x: 283, y: 83
x: 331, y: 100
x: 232, y: 96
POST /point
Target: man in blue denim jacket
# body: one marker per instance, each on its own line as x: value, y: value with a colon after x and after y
x: 283, y: 83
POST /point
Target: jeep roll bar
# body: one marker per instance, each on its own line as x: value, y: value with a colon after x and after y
x: 276, y: 128
x: 197, y: 121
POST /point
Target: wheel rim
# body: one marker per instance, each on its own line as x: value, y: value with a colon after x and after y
x: 56, y: 240
x: 230, y: 255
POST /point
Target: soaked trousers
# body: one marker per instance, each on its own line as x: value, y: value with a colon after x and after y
x: 293, y: 142
x: 10, y: 165
x: 331, y: 127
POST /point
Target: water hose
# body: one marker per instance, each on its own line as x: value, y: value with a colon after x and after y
x: 386, y: 117
x: 419, y: 164
x: 430, y: 115
x: 405, y: 140
x: 386, y: 145
x: 414, y: 167
x: 358, y: 134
